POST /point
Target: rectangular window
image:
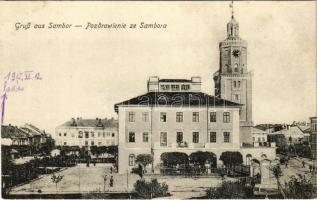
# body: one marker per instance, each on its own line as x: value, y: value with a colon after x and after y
x: 226, y: 137
x: 213, y: 137
x: 86, y: 143
x: 131, y: 160
x: 179, y: 117
x: 179, y: 137
x: 195, y: 116
x: 185, y: 87
x: 226, y: 117
x: 92, y: 134
x: 131, y: 117
x: 131, y: 137
x: 80, y: 134
x: 213, y: 117
x: 163, y: 139
x: 163, y: 116
x: 145, y: 116
x: 145, y: 137
x: 60, y: 134
x: 165, y: 87
x: 175, y: 87
x: 65, y: 143
x: 92, y: 143
x: 195, y: 137
x: 86, y: 134
x: 65, y: 134
x: 112, y: 134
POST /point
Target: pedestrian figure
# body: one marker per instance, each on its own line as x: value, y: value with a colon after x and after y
x: 111, y: 182
x: 303, y: 164
x: 286, y: 163
x: 314, y: 168
x: 310, y: 168
x: 111, y: 170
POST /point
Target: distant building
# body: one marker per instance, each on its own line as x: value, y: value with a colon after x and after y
x: 259, y: 135
x: 271, y: 128
x: 313, y: 137
x: 87, y: 132
x: 289, y: 135
x: 12, y: 135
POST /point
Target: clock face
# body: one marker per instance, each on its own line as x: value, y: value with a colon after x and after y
x: 236, y: 53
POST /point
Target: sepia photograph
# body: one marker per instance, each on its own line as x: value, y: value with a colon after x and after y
x: 158, y: 99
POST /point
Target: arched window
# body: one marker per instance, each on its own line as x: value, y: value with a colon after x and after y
x: 131, y: 160
x: 228, y: 68
x: 239, y: 84
x: 236, y: 67
x: 234, y: 84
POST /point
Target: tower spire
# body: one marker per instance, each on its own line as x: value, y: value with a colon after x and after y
x: 232, y: 11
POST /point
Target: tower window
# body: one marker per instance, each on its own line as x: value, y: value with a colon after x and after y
x: 228, y: 68
x: 239, y: 84
x: 236, y: 67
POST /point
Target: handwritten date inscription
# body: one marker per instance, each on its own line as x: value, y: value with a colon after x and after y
x: 13, y: 80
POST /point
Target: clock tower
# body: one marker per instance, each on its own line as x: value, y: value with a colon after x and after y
x: 233, y: 81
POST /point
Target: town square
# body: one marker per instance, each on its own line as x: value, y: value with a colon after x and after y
x: 213, y: 100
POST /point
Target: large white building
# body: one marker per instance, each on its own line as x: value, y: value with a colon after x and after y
x: 175, y: 116
x: 87, y: 132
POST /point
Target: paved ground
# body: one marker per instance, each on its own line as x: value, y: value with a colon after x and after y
x: 88, y: 179
x: 295, y: 167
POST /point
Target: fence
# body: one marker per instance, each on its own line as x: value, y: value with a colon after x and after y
x: 190, y: 171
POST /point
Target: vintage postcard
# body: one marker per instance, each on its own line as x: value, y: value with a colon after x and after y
x: 158, y: 100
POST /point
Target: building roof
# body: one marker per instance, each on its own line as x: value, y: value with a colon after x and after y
x: 174, y: 80
x: 268, y: 126
x: 106, y: 123
x: 12, y: 132
x: 257, y: 130
x: 293, y: 131
x: 177, y: 99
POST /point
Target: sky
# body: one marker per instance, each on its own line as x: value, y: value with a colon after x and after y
x: 85, y: 72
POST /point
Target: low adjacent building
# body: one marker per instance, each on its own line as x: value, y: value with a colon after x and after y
x: 87, y: 132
